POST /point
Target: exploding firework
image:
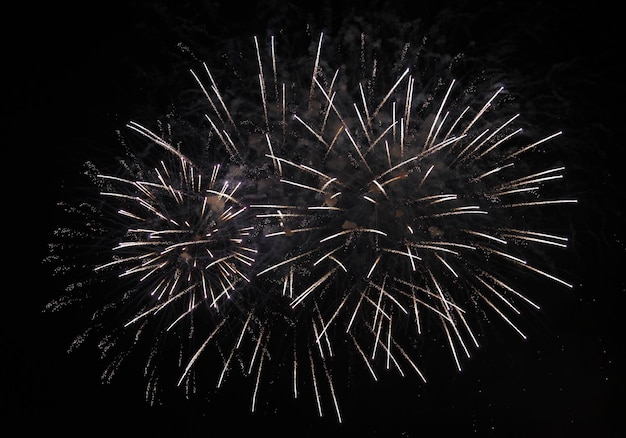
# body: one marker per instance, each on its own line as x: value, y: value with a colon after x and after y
x: 176, y: 239
x: 379, y: 214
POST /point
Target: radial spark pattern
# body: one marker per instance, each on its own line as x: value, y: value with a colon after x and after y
x: 185, y: 243
x: 385, y: 216
x: 169, y: 248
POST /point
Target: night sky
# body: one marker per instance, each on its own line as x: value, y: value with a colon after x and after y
x: 75, y: 74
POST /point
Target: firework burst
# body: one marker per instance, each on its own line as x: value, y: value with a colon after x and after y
x: 175, y: 238
x: 384, y: 215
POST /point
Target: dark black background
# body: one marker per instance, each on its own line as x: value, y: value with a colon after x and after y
x: 75, y: 73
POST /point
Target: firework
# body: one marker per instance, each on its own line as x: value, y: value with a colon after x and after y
x: 379, y: 215
x: 176, y: 239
